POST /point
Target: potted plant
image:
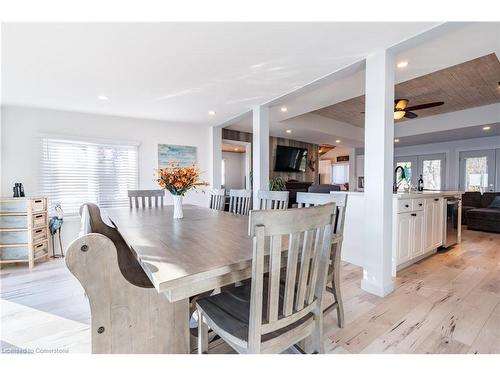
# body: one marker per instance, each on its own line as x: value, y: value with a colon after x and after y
x: 178, y: 181
x: 276, y: 184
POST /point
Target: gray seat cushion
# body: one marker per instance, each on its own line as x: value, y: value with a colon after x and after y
x: 230, y: 310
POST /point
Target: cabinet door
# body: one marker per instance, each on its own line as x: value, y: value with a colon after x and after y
x: 404, y: 237
x: 437, y: 222
x: 428, y: 224
x: 418, y: 228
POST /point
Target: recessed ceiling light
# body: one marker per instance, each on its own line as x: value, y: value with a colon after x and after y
x: 288, y: 131
x: 284, y: 109
x: 486, y: 127
x: 103, y: 97
x: 337, y: 141
x: 402, y: 64
x: 396, y: 140
x: 211, y: 113
x: 235, y: 149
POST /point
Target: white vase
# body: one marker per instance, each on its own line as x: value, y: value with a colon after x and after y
x: 178, y: 214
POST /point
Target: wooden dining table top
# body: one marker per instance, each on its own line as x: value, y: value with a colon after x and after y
x: 185, y: 253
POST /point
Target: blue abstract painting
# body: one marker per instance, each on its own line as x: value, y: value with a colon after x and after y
x: 184, y: 156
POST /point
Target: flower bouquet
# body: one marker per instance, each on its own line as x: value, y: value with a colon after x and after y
x: 178, y: 181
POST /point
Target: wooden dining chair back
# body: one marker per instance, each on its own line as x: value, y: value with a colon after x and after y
x: 333, y: 284
x: 239, y: 201
x: 136, y: 196
x: 312, y: 199
x: 340, y: 200
x: 218, y: 199
x: 272, y: 200
x: 272, y: 315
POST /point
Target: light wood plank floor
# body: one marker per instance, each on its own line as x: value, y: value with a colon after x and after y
x: 447, y: 303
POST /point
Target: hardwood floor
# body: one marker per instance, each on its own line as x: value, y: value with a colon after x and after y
x: 447, y: 303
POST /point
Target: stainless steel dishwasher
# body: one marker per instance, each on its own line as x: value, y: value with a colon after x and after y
x: 452, y: 221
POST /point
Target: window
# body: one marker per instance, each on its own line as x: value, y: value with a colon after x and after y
x: 74, y: 172
x: 340, y: 174
x: 431, y: 174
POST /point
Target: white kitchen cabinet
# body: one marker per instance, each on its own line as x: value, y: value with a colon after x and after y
x: 419, y: 228
x: 404, y: 237
x: 411, y: 230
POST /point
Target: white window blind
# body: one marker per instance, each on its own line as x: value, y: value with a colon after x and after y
x: 74, y: 172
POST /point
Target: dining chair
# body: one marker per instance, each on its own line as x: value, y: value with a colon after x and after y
x: 340, y: 200
x: 265, y: 315
x: 218, y: 199
x: 239, y: 201
x: 272, y: 200
x: 134, y: 195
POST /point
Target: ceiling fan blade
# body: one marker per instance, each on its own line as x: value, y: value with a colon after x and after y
x: 424, y: 106
x: 410, y: 115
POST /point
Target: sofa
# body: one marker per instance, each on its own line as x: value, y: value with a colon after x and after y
x: 477, y: 213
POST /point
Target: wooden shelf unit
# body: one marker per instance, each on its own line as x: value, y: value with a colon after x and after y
x: 24, y: 230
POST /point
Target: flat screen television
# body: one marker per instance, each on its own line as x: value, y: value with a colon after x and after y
x: 290, y: 159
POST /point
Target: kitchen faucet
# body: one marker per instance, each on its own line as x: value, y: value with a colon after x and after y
x: 403, y: 176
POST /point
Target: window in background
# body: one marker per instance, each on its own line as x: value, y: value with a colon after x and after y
x: 476, y: 173
x: 431, y: 174
x: 340, y: 174
x: 75, y: 172
x: 404, y: 184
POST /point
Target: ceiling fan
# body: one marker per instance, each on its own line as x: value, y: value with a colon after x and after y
x: 401, y: 108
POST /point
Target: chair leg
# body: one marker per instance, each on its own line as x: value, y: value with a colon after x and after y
x: 202, y: 335
x: 336, y: 286
x: 318, y: 346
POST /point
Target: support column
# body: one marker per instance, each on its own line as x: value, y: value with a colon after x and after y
x: 216, y: 151
x: 260, y: 173
x: 379, y: 150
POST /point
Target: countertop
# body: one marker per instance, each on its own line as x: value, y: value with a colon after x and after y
x: 427, y: 194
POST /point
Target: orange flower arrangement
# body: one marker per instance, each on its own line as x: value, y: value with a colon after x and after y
x: 179, y: 181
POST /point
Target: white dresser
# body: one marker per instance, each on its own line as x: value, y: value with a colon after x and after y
x: 24, y: 231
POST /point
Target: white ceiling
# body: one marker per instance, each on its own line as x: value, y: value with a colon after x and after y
x: 444, y: 46
x: 179, y: 71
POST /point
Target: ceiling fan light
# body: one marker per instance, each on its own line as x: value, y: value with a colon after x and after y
x: 398, y: 115
x: 401, y: 104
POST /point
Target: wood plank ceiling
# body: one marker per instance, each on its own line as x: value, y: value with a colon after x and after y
x: 470, y: 84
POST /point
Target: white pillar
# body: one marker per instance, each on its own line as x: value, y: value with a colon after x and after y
x: 216, y: 151
x: 260, y: 151
x: 379, y: 150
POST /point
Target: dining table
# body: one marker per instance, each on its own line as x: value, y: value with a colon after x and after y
x: 183, y: 258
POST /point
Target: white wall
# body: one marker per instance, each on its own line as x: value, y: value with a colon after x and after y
x: 452, y: 150
x: 235, y: 170
x: 22, y: 129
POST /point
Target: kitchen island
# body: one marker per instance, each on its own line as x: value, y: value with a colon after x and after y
x: 418, y: 226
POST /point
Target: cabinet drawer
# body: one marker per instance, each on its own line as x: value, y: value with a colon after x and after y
x: 40, y: 249
x: 14, y: 205
x: 39, y: 220
x: 38, y: 204
x: 13, y: 237
x: 404, y: 205
x: 14, y: 253
x: 39, y: 234
x: 418, y: 204
x: 9, y: 222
